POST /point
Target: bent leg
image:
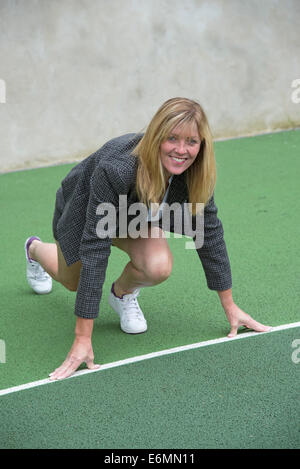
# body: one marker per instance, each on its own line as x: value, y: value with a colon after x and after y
x: 50, y: 257
x: 151, y: 261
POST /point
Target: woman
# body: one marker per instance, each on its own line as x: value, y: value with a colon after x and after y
x: 172, y: 162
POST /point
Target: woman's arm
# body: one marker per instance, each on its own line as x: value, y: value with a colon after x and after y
x: 213, y: 254
x: 106, y: 184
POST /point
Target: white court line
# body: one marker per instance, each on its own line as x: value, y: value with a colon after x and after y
x: 150, y: 355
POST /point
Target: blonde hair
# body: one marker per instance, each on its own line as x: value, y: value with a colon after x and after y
x: 200, y: 176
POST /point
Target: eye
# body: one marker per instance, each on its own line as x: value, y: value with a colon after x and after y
x: 171, y: 138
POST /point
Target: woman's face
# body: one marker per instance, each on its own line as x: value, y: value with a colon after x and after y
x: 180, y: 149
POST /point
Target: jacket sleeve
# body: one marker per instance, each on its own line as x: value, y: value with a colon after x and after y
x: 213, y: 253
x: 106, y: 185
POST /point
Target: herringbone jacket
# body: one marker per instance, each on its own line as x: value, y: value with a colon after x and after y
x: 102, y: 177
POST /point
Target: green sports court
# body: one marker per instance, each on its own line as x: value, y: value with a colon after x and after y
x: 210, y: 391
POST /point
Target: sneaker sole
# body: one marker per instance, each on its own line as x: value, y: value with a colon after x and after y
x: 133, y: 333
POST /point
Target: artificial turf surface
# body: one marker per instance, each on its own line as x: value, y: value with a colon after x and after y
x: 239, y: 394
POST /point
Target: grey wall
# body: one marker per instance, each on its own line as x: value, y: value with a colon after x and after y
x: 74, y: 73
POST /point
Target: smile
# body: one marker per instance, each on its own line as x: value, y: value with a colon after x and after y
x: 178, y: 160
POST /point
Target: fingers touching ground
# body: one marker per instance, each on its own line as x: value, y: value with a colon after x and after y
x: 69, y: 367
x: 249, y: 323
x: 79, y: 353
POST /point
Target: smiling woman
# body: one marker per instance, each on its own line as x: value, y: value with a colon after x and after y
x: 177, y: 139
x: 173, y: 162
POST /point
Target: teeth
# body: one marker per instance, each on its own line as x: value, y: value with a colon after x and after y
x: 178, y: 159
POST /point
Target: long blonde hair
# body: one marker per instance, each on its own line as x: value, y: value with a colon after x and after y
x: 200, y: 176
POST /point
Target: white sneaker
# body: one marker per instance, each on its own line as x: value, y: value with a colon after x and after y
x: 131, y: 315
x: 37, y: 278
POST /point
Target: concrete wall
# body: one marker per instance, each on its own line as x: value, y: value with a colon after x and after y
x: 74, y: 73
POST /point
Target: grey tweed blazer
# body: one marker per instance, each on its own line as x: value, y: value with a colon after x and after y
x: 102, y: 177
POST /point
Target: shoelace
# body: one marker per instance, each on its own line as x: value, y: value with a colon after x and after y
x: 133, y: 309
x: 38, y: 272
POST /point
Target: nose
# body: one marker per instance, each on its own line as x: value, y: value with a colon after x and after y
x: 181, y: 147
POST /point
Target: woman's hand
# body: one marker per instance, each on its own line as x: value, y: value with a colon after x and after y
x: 81, y: 351
x: 238, y: 318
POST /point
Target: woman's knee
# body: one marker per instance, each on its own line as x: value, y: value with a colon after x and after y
x: 158, y: 267
x: 150, y: 255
